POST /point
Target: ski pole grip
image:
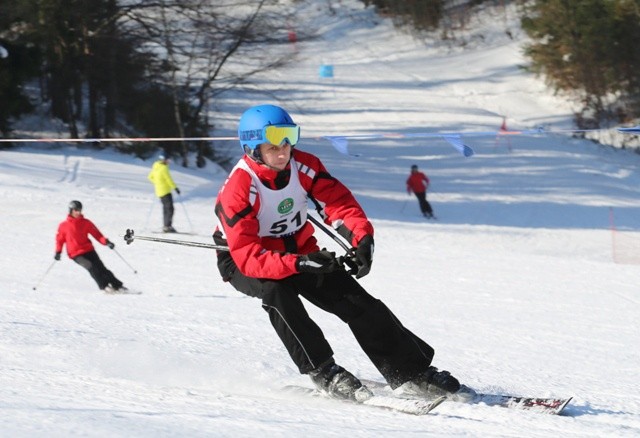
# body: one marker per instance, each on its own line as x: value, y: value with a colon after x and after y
x: 128, y: 236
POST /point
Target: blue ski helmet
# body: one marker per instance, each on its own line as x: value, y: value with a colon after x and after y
x: 252, y: 124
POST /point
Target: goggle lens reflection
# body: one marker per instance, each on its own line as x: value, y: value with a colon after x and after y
x: 277, y: 135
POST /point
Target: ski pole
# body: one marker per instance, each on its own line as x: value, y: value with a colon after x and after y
x: 45, y: 274
x: 332, y: 235
x: 350, y: 259
x: 130, y: 236
x: 126, y: 263
x: 185, y: 212
x: 404, y: 205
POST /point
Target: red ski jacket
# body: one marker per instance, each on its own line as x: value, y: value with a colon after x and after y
x: 238, y: 205
x: 74, y: 232
x: 417, y: 182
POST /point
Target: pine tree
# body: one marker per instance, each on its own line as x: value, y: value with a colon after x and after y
x: 588, y: 46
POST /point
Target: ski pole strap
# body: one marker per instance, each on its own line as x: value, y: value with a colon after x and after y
x: 130, y: 236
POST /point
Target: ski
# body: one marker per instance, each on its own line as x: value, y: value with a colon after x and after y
x: 546, y: 405
x: 413, y: 406
x: 124, y: 292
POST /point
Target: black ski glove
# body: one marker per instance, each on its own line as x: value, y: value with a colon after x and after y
x: 177, y: 190
x: 364, y: 255
x: 110, y: 244
x: 57, y: 256
x: 319, y: 262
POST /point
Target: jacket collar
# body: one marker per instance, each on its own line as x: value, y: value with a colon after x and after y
x: 267, y: 176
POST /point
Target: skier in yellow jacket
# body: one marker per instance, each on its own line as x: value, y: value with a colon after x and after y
x: 164, y: 184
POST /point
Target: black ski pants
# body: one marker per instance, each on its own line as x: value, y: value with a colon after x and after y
x: 92, y: 263
x: 396, y: 352
x: 425, y: 207
x: 167, y: 209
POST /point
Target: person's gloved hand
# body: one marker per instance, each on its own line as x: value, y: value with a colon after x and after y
x: 110, y: 244
x: 57, y: 256
x: 319, y: 262
x: 364, y: 255
x: 177, y: 190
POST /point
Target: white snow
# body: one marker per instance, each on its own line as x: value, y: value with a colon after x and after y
x: 515, y: 285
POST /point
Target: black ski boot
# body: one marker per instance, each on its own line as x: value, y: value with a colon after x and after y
x: 431, y: 383
x: 339, y: 383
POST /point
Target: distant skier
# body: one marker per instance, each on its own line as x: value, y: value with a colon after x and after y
x: 274, y: 256
x: 418, y: 183
x: 74, y: 233
x: 164, y: 184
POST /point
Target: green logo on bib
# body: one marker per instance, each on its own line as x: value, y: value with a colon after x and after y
x: 285, y: 206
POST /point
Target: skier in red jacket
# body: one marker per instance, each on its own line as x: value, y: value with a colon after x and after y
x: 74, y: 232
x: 418, y: 183
x: 274, y: 256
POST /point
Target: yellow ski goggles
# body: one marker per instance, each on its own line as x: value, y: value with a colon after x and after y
x: 278, y: 134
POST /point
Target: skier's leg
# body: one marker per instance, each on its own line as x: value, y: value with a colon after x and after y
x: 88, y: 261
x: 419, y: 201
x: 106, y: 273
x: 425, y: 208
x: 101, y: 271
x: 167, y: 210
x: 401, y: 357
x: 303, y: 339
x: 301, y: 336
x: 171, y: 210
x: 398, y: 354
x: 429, y: 208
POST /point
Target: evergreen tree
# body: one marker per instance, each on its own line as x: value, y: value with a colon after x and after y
x: 150, y: 68
x: 16, y: 66
x: 419, y: 15
x: 589, y: 46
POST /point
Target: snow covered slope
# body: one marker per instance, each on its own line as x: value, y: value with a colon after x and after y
x: 514, y: 285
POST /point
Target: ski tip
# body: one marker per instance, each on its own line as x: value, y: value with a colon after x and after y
x: 563, y: 405
x: 552, y: 406
x: 437, y: 402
